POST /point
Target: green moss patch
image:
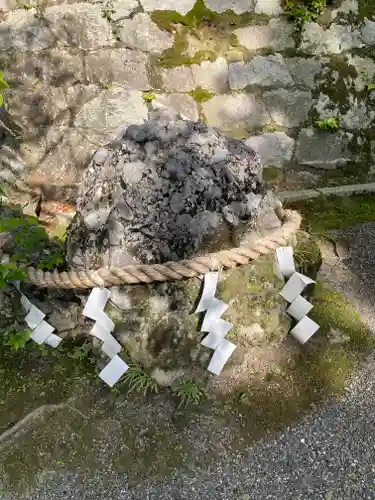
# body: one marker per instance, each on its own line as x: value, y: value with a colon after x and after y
x: 201, y: 95
x: 366, y: 9
x: 332, y: 310
x: 206, y: 26
x: 201, y: 16
x: 335, y: 212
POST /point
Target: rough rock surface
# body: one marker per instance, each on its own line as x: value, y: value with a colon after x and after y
x: 164, y: 188
x: 275, y: 148
x: 316, y: 149
x: 167, y: 190
x: 270, y: 71
x: 231, y: 112
x: 276, y: 35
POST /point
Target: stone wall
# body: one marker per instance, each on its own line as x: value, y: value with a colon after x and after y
x: 81, y: 72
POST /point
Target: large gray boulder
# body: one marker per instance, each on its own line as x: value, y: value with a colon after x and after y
x: 173, y: 189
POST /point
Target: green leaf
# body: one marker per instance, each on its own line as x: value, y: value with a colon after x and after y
x: 371, y: 86
x: 3, y: 83
x: 1, y: 99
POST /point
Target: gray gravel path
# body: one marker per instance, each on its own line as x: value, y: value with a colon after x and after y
x: 329, y: 455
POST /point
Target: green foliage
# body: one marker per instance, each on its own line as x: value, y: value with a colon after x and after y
x: 149, y: 96
x: 303, y: 11
x: 30, y: 244
x: 201, y: 95
x: 15, y: 339
x: 331, y: 123
x: 10, y: 272
x: 138, y: 380
x: 335, y: 212
x: 3, y: 86
x: 189, y: 392
x: 107, y: 12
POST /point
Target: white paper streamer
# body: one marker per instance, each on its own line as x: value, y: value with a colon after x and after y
x: 96, y: 303
x: 208, y: 293
x: 219, y: 331
x: 299, y: 307
x: 94, y: 309
x: 220, y: 356
x: 304, y: 329
x: 41, y: 330
x: 215, y: 310
x: 34, y: 317
x: 53, y: 340
x: 113, y: 371
x: 295, y: 286
x: 216, y: 327
x: 286, y: 261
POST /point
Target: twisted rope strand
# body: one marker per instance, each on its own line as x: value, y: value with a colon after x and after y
x: 130, y: 275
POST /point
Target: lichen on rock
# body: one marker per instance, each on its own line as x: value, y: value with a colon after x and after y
x: 167, y: 190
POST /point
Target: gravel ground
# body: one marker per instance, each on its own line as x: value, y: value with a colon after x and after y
x: 328, y: 455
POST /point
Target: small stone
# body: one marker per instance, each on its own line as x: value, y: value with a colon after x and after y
x: 212, y: 76
x: 237, y: 6
x: 179, y: 79
x: 264, y: 71
x: 336, y: 39
x: 23, y: 32
x: 358, y: 116
x: 365, y: 68
x: 275, y: 148
x: 304, y: 71
x: 122, y: 66
x: 96, y: 220
x: 228, y: 112
x: 183, y: 104
x: 79, y: 25
x: 368, y: 33
x: 180, y: 6
x: 288, y: 108
x: 123, y: 8
x: 142, y: 34
x: 106, y: 116
x: 323, y: 150
x: 268, y: 7
x: 277, y: 34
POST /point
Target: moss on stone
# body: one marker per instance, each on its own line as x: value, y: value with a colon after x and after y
x: 333, y: 311
x: 202, y: 24
x: 335, y: 212
x: 272, y: 174
x: 200, y: 16
x: 366, y: 9
x: 201, y: 95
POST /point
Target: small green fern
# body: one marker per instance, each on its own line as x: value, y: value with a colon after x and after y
x: 138, y: 380
x: 189, y: 392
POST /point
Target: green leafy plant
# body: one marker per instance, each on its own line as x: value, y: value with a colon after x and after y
x: 303, y: 11
x: 149, y: 97
x: 331, y: 123
x: 3, y: 86
x: 107, y: 12
x: 138, y: 380
x: 189, y: 392
x: 30, y: 243
x: 15, y: 339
